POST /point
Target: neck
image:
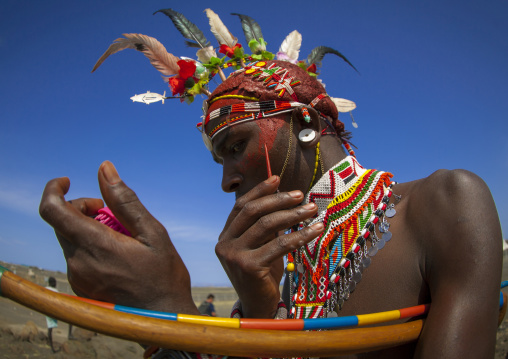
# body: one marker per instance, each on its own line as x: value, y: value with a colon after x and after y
x: 331, y: 151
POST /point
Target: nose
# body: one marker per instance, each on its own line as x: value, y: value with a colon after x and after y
x: 231, y: 180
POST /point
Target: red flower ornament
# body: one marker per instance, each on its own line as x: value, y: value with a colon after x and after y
x: 312, y: 68
x: 177, y: 83
x: 229, y: 51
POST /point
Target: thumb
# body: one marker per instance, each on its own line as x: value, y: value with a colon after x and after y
x: 125, y: 204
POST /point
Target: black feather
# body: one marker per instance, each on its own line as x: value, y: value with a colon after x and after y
x: 250, y: 27
x: 317, y: 55
x: 187, y: 29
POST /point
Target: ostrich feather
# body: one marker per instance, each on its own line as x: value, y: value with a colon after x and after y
x: 290, y: 47
x: 163, y: 61
x: 189, y: 30
x: 317, y: 55
x: 219, y: 30
x: 205, y: 54
x: 250, y: 27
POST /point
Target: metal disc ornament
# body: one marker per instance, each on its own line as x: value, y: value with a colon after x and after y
x: 390, y: 212
x: 299, y: 268
x: 387, y: 236
x: 357, y: 276
x: 307, y: 135
x: 332, y: 314
x: 373, y: 251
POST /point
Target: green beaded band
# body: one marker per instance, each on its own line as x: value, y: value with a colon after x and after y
x: 2, y: 270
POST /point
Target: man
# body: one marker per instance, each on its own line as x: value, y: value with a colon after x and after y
x: 51, y: 322
x: 207, y: 306
x: 445, y: 247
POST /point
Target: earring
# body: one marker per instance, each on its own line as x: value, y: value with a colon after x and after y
x: 307, y: 135
x: 305, y: 114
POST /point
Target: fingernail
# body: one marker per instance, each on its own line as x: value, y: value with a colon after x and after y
x: 271, y: 179
x: 309, y: 206
x: 295, y: 194
x: 110, y: 173
x: 318, y: 227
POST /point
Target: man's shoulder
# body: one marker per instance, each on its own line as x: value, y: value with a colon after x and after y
x: 441, y: 187
x: 436, y: 205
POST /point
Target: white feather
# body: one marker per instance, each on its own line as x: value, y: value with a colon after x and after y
x: 219, y: 30
x: 291, y: 46
x: 205, y: 54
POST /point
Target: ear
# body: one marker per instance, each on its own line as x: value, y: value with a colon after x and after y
x: 307, y: 119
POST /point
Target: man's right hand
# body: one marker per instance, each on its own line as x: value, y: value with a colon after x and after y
x: 252, y: 245
x: 143, y: 271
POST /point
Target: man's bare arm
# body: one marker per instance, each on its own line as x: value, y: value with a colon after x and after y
x: 459, y: 228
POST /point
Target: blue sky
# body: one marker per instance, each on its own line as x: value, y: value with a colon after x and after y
x: 432, y: 94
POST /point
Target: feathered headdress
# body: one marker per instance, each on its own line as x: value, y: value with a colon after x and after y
x: 188, y: 77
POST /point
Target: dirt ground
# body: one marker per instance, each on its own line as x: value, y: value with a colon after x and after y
x: 23, y: 332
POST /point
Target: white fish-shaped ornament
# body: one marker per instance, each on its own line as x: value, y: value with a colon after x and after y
x: 149, y: 97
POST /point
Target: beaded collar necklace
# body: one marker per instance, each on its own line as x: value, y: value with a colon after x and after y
x: 351, y: 201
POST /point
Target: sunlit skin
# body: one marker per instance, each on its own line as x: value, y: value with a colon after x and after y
x: 416, y: 267
x: 452, y: 260
x: 445, y: 250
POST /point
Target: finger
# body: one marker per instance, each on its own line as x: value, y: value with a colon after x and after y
x: 126, y: 206
x: 282, y: 245
x: 67, y: 220
x: 269, y: 186
x: 87, y: 206
x: 267, y: 226
x: 255, y: 211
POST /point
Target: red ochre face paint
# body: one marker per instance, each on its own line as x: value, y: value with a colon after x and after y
x: 269, y: 128
x: 254, y: 158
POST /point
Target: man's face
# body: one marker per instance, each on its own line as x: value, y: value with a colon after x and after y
x: 241, y: 151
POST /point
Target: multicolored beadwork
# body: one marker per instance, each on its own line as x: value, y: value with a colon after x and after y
x: 253, y: 111
x: 305, y: 114
x: 263, y: 106
x: 351, y: 202
x: 273, y: 76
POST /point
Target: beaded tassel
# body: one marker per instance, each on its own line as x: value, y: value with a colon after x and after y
x: 348, y: 148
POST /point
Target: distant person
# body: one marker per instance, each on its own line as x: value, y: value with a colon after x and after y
x: 51, y: 322
x: 69, y: 335
x: 207, y: 306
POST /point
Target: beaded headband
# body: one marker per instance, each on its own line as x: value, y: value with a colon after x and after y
x: 257, y: 111
x: 188, y: 77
